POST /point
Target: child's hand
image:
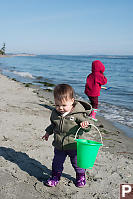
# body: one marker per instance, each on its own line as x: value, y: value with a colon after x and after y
x: 46, y: 136
x: 84, y: 124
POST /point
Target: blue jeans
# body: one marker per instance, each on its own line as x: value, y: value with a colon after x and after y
x: 59, y: 159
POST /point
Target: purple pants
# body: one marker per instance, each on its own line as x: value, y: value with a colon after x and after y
x: 59, y: 159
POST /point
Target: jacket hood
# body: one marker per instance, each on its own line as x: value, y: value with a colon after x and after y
x: 82, y: 106
x: 97, y: 66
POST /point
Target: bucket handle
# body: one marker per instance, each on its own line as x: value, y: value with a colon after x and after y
x: 95, y: 128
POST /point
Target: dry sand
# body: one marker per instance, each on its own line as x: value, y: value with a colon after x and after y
x: 25, y: 160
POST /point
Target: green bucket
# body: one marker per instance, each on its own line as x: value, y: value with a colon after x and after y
x: 87, y: 151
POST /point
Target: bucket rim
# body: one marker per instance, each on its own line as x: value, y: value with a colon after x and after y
x: 92, y: 142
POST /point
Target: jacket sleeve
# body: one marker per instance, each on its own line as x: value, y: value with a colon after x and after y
x: 51, y: 127
x: 102, y: 80
x: 81, y: 117
x: 89, y: 84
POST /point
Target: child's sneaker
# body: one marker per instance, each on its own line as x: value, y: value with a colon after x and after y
x: 80, y: 180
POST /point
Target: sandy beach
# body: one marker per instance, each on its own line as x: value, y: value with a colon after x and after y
x: 25, y: 159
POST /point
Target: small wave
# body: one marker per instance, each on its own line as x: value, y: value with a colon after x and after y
x: 24, y: 74
x: 39, y: 77
x: 130, y: 70
x: 117, y: 114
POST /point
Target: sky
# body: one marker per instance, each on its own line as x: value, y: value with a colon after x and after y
x: 72, y: 27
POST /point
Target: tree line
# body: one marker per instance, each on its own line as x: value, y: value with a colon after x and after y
x: 2, y: 50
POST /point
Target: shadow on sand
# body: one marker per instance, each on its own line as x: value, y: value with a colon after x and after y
x: 47, y: 106
x: 27, y: 164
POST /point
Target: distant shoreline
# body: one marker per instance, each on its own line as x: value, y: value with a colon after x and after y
x: 91, y: 55
x: 17, y: 55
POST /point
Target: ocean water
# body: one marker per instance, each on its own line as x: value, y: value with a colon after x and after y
x: 115, y: 102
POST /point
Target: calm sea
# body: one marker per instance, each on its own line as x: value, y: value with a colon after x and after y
x: 115, y: 103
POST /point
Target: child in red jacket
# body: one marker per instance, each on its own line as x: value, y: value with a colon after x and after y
x: 93, y: 85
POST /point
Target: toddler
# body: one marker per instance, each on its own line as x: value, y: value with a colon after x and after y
x: 93, y: 85
x: 66, y: 118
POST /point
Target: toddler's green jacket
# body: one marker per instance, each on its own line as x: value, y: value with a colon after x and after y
x: 65, y: 128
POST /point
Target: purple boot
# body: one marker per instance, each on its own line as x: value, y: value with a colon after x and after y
x: 54, y: 180
x: 80, y: 180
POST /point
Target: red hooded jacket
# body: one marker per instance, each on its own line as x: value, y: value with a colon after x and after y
x: 95, y: 79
